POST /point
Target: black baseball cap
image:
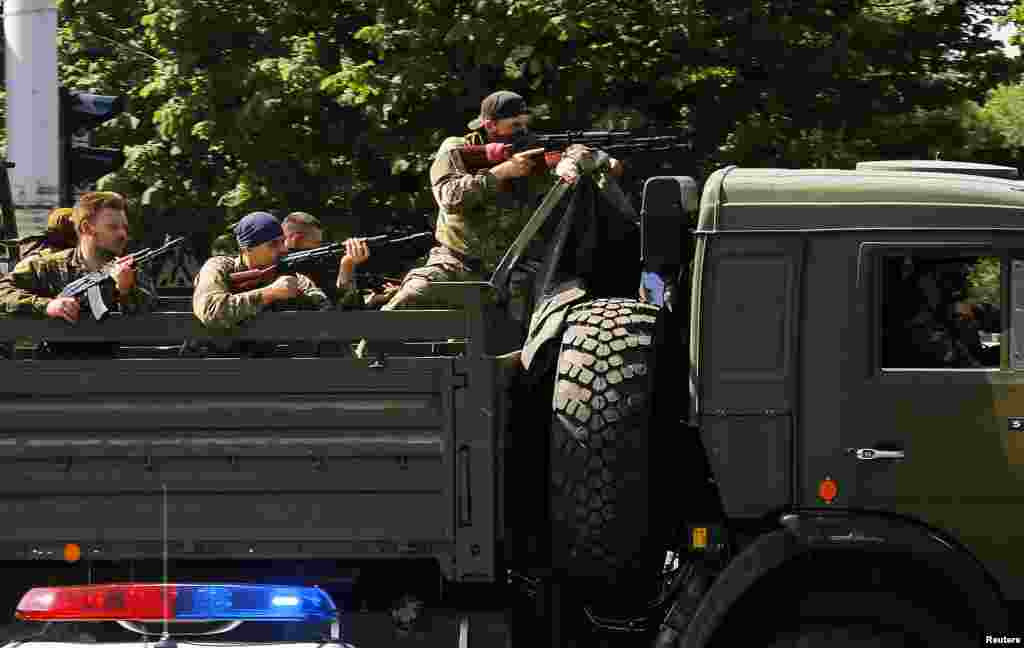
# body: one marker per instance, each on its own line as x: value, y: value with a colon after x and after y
x: 499, y: 105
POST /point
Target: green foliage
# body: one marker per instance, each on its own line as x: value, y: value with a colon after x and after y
x: 1003, y: 113
x: 338, y: 107
x: 983, y: 281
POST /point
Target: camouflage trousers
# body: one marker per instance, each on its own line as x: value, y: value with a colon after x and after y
x: 442, y: 265
x: 415, y: 292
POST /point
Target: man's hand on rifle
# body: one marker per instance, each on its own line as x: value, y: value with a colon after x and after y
x: 578, y: 158
x: 123, y: 274
x: 615, y: 168
x: 283, y: 288
x: 65, y: 308
x: 519, y: 165
x: 356, y: 253
x: 383, y: 295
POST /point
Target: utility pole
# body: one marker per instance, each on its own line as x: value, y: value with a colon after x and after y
x: 33, y: 123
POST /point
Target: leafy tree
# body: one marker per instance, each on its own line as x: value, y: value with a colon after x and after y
x: 339, y: 107
x: 1003, y: 112
x: 983, y: 285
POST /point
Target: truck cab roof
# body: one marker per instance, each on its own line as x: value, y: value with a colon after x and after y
x: 738, y: 199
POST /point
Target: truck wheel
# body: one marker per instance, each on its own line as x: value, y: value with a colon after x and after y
x: 600, y: 445
x: 858, y: 636
x: 867, y: 620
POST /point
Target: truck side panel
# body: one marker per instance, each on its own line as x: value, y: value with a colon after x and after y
x: 751, y: 297
x: 269, y: 458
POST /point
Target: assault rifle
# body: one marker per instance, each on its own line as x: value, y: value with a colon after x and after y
x: 88, y: 286
x: 485, y: 156
x: 293, y: 262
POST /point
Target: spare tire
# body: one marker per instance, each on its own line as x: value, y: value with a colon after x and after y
x: 600, y: 446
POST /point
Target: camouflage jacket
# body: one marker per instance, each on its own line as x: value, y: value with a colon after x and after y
x: 477, y: 217
x: 473, y: 212
x: 39, y: 247
x: 217, y: 308
x: 35, y: 281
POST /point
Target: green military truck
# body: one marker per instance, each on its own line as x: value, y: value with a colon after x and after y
x: 816, y: 441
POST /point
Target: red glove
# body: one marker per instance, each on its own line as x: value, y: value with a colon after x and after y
x: 498, y: 152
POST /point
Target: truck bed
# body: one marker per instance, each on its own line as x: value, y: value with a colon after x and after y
x: 280, y: 457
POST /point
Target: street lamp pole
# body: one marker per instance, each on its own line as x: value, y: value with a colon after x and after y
x: 33, y: 116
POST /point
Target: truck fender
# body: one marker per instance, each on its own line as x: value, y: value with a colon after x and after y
x: 548, y: 321
x: 830, y: 530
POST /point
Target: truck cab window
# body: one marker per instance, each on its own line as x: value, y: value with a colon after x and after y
x: 940, y: 312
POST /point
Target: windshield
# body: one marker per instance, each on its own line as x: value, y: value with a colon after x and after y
x: 249, y: 632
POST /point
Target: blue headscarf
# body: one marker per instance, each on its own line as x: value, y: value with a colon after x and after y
x: 257, y: 228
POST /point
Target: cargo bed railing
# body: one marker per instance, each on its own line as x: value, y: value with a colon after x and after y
x: 467, y: 323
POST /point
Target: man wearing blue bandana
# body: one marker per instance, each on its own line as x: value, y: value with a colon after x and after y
x: 261, y: 243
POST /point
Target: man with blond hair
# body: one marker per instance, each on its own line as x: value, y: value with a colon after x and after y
x: 33, y: 287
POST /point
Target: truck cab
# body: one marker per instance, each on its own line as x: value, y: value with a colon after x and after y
x: 856, y: 387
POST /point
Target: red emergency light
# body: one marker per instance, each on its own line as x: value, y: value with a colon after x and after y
x: 176, y: 602
x: 130, y: 602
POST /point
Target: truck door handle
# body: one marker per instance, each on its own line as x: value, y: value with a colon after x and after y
x: 464, y: 494
x: 868, y: 454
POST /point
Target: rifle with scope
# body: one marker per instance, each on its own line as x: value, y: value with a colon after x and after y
x: 485, y: 156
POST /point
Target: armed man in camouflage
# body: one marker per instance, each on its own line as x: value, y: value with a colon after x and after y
x: 60, y: 235
x: 261, y: 243
x: 302, y: 231
x: 467, y: 200
x: 32, y: 288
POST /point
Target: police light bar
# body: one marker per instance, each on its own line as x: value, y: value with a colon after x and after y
x: 176, y: 602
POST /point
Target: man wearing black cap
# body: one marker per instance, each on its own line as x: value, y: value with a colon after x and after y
x: 261, y: 243
x: 462, y: 196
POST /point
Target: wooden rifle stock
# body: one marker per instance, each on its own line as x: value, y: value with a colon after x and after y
x: 612, y: 142
x: 249, y: 279
x: 475, y: 158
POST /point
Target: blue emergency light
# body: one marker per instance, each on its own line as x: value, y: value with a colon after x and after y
x: 176, y: 602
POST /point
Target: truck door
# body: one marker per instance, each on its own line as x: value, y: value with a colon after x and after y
x: 928, y: 419
x: 749, y: 329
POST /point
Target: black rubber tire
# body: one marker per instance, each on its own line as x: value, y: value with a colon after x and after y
x: 600, y: 444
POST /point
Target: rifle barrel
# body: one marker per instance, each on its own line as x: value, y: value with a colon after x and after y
x: 141, y: 258
x: 313, y: 253
x: 411, y: 237
x: 287, y: 261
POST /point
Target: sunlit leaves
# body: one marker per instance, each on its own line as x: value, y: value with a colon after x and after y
x: 354, y: 84
x: 253, y: 103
